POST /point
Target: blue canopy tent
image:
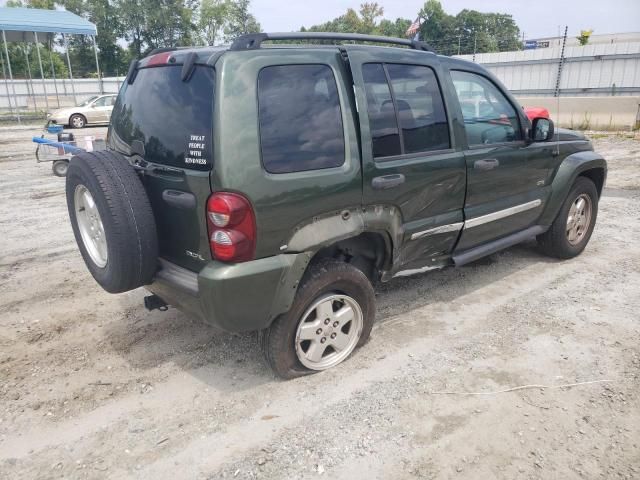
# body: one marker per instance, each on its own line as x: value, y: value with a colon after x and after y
x: 31, y: 24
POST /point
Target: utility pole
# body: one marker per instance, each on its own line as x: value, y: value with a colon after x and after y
x: 475, y: 43
x: 459, y: 38
x: 561, y: 63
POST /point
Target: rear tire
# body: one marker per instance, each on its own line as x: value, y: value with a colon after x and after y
x: 571, y: 230
x: 112, y: 220
x: 347, y: 291
x: 60, y: 168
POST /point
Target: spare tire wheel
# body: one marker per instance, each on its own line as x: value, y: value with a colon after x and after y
x: 112, y: 220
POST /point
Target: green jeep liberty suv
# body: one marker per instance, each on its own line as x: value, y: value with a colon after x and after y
x: 267, y: 187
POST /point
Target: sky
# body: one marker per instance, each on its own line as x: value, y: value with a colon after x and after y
x: 537, y: 18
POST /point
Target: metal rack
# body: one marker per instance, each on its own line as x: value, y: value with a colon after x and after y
x: 253, y: 41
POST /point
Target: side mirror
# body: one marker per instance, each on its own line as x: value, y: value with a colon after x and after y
x: 541, y: 130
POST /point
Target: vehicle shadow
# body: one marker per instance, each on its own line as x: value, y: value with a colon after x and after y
x: 233, y: 362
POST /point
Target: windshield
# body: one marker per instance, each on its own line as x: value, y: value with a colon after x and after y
x: 87, y: 102
x: 170, y: 118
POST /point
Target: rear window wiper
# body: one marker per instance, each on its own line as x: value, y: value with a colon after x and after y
x: 188, y: 66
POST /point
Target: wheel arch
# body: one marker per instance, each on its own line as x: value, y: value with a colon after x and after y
x: 588, y: 164
x: 369, y: 251
x: 368, y: 237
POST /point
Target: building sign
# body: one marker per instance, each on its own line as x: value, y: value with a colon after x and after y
x: 531, y: 44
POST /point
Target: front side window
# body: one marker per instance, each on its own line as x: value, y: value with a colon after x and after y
x: 406, y: 110
x: 101, y: 102
x: 489, y: 118
x: 300, y: 118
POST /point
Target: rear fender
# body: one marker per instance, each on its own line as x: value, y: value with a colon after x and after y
x: 324, y: 231
x: 570, y: 168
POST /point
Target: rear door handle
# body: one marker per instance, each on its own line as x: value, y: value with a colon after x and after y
x: 387, y: 181
x: 486, y: 164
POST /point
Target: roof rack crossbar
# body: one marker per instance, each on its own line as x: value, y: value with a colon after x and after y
x: 253, y: 41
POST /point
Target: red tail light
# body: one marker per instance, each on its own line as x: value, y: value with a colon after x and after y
x: 232, y: 227
x: 159, y: 59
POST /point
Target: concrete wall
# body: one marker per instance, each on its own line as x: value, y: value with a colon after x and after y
x: 601, y: 69
x: 592, y: 113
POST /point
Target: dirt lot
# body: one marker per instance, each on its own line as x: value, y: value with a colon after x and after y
x: 93, y: 386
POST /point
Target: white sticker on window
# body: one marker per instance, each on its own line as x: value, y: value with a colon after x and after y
x: 196, y: 150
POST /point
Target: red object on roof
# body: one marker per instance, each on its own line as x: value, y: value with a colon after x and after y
x: 536, y: 112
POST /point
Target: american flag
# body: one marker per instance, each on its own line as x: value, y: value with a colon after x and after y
x: 413, y: 28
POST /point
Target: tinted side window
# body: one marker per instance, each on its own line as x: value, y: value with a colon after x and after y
x: 382, y: 116
x: 300, y: 118
x: 101, y: 102
x: 488, y: 116
x: 420, y: 108
x: 414, y: 102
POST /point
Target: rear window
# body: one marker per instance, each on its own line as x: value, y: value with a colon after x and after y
x: 171, y: 118
x: 300, y: 118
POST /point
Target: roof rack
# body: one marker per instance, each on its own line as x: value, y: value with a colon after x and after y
x: 253, y: 41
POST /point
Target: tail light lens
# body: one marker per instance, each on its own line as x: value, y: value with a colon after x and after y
x: 232, y: 227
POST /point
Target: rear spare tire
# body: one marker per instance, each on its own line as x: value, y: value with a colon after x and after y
x: 112, y: 220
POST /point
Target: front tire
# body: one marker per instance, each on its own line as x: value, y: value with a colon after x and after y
x: 571, y: 230
x: 331, y: 316
x: 77, y: 121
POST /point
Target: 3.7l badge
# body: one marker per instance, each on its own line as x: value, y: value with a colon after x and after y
x: 195, y: 255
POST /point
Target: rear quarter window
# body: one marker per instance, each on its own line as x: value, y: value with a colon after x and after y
x: 300, y: 118
x: 171, y: 118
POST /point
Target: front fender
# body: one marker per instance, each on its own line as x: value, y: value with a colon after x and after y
x: 570, y: 168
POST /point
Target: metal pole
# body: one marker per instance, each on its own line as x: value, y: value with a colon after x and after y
x: 560, y: 65
x: 6, y: 85
x: 13, y: 87
x: 44, y: 85
x: 66, y: 49
x: 53, y: 72
x: 33, y: 91
x: 95, y: 51
x: 475, y: 43
x: 459, y: 39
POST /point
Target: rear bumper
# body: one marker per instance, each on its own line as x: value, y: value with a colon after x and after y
x: 233, y: 297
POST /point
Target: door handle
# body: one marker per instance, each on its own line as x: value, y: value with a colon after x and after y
x: 387, y: 181
x: 486, y: 164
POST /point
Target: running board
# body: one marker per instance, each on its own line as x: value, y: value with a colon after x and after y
x: 475, y: 253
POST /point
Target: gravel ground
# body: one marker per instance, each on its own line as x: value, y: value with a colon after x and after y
x: 93, y: 386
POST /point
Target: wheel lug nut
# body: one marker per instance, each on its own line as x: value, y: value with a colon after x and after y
x: 326, y: 321
x: 323, y: 339
x: 318, y: 331
x: 333, y: 335
x: 335, y: 324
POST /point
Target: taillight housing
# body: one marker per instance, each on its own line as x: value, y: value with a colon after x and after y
x: 232, y: 227
x: 159, y: 59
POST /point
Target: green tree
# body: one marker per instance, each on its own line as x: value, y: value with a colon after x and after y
x: 239, y: 21
x: 467, y: 32
x: 212, y: 19
x: 168, y: 23
x: 398, y: 28
x: 365, y: 21
x: 369, y: 14
x: 583, y: 38
x: 132, y: 17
